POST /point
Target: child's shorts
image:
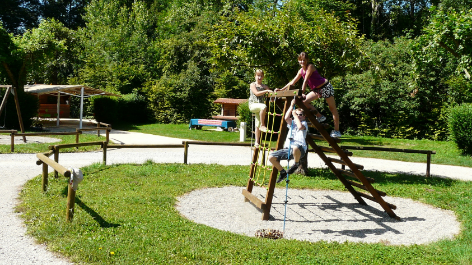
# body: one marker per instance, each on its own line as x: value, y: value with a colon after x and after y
x: 325, y: 91
x: 256, y: 108
x: 282, y: 154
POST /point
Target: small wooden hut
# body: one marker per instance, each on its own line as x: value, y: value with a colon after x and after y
x: 229, y: 108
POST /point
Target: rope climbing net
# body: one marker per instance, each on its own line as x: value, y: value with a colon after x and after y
x: 261, y: 170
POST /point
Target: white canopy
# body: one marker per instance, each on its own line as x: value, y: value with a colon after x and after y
x: 73, y: 90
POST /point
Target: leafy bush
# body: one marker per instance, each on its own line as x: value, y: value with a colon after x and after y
x: 460, y: 127
x: 105, y: 109
x: 245, y: 115
x: 177, y: 98
x: 387, y: 100
x: 128, y: 108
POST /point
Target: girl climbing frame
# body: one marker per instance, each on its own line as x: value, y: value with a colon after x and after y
x: 358, y: 180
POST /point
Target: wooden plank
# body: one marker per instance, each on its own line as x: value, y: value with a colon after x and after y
x: 48, y: 154
x: 62, y: 146
x: 360, y: 186
x: 8, y: 131
x: 285, y: 93
x: 56, y: 166
x: 46, y: 133
x: 253, y: 198
x: 373, y: 148
x: 95, y: 129
x: 146, y: 146
x: 331, y: 150
x: 321, y: 138
x: 393, y: 206
x: 353, y: 175
x: 217, y: 143
x: 339, y: 161
x: 324, y: 125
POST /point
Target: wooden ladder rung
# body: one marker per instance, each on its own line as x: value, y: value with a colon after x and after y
x: 324, y: 125
x: 253, y: 198
x: 374, y: 200
x: 339, y: 161
x: 351, y: 174
x: 321, y: 138
x: 360, y: 186
x: 331, y: 150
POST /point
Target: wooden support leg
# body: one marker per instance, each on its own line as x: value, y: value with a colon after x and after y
x: 70, y: 203
x: 45, y: 177
x: 12, y: 145
x: 56, y: 158
x: 185, y: 152
x: 428, y: 164
x: 77, y: 131
x: 105, y: 145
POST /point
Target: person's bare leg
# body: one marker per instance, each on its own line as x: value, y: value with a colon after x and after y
x: 275, y: 163
x: 309, y: 98
x: 262, y: 114
x: 258, y: 134
x: 332, y: 107
x: 296, y: 154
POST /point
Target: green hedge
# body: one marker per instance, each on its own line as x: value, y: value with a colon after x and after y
x: 460, y: 127
x: 128, y: 108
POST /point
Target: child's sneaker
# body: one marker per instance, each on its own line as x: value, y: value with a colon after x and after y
x: 321, y: 119
x: 335, y: 134
x: 283, y: 175
x: 293, y: 168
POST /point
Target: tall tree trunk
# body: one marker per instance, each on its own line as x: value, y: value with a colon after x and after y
x: 375, y: 14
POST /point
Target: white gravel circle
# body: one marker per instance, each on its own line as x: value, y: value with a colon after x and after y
x: 315, y: 215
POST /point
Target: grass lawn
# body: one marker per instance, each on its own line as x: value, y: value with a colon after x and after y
x: 65, y: 139
x: 446, y: 151
x: 125, y: 214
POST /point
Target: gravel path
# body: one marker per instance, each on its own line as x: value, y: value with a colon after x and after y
x: 312, y: 215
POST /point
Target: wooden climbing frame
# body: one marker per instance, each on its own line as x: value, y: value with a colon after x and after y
x: 352, y: 179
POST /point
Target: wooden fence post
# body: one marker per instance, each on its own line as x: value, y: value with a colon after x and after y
x: 104, y: 146
x: 428, y: 164
x: 56, y: 159
x: 185, y: 151
x: 45, y: 176
x: 12, y: 145
x: 108, y: 134
x: 98, y: 131
x: 77, y: 131
x: 70, y: 203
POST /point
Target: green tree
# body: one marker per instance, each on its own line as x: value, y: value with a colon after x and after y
x: 184, y: 90
x: 13, y: 59
x: 450, y: 30
x: 116, y: 47
x: 55, y: 63
x: 245, y: 40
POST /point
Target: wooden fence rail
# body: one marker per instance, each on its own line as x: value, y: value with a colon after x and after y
x: 59, y: 169
x: 77, y: 133
x: 46, y: 161
x: 413, y: 151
